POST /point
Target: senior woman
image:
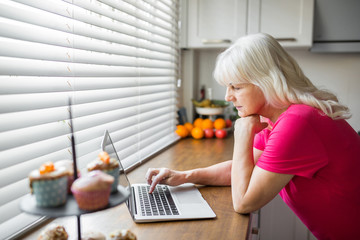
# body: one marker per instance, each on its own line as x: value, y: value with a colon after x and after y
x: 305, y: 151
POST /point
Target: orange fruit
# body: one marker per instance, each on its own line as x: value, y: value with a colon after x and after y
x: 182, y: 131
x: 207, y: 124
x: 197, y: 133
x: 219, y: 123
x: 198, y: 122
x: 188, y: 126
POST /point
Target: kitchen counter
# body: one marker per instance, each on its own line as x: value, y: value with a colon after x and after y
x: 185, y: 154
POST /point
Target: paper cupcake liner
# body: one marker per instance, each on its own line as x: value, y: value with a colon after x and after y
x: 50, y: 193
x: 92, y: 200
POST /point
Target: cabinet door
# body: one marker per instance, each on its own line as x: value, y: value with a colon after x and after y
x: 291, y: 22
x: 214, y: 23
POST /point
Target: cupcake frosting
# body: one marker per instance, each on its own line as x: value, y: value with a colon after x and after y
x: 56, y: 173
x: 98, y: 164
x: 94, y: 180
x: 36, y: 175
x: 68, y: 164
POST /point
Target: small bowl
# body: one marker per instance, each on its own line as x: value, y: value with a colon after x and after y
x: 210, y: 111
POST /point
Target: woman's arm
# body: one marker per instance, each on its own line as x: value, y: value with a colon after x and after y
x: 218, y: 174
x: 252, y: 187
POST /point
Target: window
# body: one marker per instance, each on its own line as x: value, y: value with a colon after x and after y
x: 118, y: 60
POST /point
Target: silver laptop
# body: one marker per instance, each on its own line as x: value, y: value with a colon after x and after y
x: 165, y: 203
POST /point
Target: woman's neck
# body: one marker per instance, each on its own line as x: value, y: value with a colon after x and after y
x: 274, y: 113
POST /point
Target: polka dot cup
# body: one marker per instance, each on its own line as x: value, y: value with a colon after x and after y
x: 50, y: 193
x: 115, y: 173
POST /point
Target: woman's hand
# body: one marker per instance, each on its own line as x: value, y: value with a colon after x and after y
x: 166, y: 176
x: 252, y: 123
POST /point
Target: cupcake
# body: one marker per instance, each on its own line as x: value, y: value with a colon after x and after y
x: 69, y: 166
x: 92, y: 235
x: 92, y: 191
x: 49, y: 185
x: 107, y: 165
x: 53, y: 232
x: 123, y: 234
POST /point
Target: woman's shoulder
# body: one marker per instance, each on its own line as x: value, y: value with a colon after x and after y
x: 302, y: 108
x: 301, y: 116
x: 302, y: 111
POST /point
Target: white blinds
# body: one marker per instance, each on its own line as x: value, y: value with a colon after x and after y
x: 116, y: 59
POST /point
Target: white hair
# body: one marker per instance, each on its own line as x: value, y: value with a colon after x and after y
x: 260, y: 60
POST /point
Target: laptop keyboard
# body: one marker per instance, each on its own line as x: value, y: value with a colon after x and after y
x: 160, y: 202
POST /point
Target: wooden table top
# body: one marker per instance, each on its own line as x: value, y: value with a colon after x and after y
x: 183, y: 155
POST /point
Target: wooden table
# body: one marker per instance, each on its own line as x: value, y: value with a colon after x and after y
x: 183, y: 155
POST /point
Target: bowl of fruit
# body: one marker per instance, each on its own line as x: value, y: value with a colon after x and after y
x: 210, y: 107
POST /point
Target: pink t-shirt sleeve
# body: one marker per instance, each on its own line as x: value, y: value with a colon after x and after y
x: 292, y: 147
x: 261, y: 138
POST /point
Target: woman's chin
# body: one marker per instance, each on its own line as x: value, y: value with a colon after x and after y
x: 241, y: 115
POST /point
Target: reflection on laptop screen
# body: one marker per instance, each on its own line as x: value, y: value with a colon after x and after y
x: 108, y: 146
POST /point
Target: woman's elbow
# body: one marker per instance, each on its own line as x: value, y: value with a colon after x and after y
x: 243, y: 208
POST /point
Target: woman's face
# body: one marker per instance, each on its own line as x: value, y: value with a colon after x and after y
x: 247, y: 98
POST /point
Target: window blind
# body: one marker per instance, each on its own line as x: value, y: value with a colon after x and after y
x: 118, y: 62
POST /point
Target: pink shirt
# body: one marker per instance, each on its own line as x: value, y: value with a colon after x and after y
x: 324, y: 156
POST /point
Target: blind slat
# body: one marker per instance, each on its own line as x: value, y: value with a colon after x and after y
x: 96, y: 40
x: 79, y: 10
x: 130, y: 161
x: 15, y: 49
x: 138, y: 14
x: 15, y: 102
x: 62, y: 84
x: 31, y: 67
x: 156, y: 10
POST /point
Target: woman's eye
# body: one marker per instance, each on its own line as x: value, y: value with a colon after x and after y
x: 235, y: 87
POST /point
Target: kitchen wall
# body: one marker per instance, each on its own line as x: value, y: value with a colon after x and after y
x: 339, y: 73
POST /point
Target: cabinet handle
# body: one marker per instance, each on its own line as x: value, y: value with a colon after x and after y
x: 286, y: 39
x: 255, y: 231
x: 215, y: 41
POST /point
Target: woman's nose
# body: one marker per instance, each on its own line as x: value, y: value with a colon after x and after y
x: 228, y: 95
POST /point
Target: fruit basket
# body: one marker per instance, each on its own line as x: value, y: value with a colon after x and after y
x: 210, y: 108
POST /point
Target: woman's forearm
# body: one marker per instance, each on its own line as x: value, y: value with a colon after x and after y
x: 242, y: 167
x: 216, y: 175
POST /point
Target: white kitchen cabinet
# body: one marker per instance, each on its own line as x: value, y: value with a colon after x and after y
x: 278, y: 222
x: 213, y: 23
x: 218, y: 23
x: 291, y: 22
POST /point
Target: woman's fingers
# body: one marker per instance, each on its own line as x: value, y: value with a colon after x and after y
x: 250, y: 122
x: 156, y: 176
x: 150, y: 173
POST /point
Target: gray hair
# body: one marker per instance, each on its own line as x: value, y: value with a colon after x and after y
x: 260, y: 60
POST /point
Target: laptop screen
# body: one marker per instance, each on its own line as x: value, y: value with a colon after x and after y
x: 108, y: 146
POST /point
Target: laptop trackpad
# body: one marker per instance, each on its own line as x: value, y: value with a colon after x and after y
x: 187, y: 195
